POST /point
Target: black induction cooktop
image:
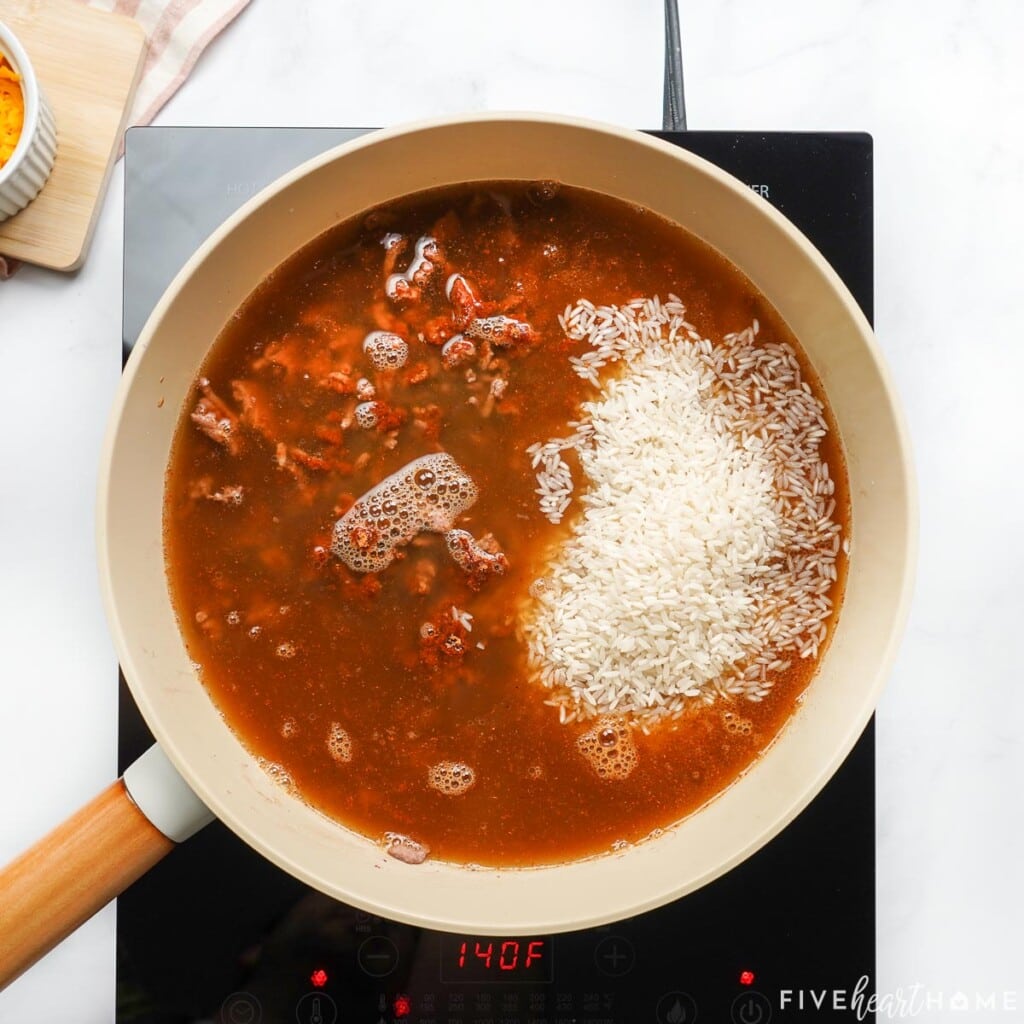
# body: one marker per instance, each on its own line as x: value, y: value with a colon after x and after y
x: 217, y: 935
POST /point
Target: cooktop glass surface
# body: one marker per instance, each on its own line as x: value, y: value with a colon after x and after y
x: 215, y: 934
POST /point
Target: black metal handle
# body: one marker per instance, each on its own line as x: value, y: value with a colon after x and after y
x: 673, y: 117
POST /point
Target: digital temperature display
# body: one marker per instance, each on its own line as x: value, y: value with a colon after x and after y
x: 486, y: 959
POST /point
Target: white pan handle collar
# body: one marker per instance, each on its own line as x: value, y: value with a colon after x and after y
x: 164, y: 797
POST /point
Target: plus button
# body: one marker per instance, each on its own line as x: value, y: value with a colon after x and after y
x: 614, y: 956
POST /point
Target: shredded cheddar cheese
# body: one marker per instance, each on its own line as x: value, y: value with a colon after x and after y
x: 12, y: 110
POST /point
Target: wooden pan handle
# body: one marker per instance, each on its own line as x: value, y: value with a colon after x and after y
x: 70, y: 874
x: 97, y: 853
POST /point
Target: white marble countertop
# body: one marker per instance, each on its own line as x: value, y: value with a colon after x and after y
x: 941, y: 89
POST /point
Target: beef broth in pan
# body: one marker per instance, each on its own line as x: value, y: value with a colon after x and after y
x: 486, y: 555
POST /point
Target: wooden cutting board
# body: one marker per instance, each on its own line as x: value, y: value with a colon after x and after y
x: 88, y: 64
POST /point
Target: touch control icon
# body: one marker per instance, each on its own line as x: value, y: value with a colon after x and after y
x: 316, y: 1008
x: 614, y: 956
x: 751, y: 1008
x: 241, y: 1008
x: 378, y: 956
x: 676, y: 1008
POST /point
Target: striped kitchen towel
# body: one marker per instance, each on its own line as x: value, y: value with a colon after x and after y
x: 178, y: 31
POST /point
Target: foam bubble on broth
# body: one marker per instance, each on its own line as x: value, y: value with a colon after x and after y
x: 453, y: 778
x: 457, y: 351
x: 426, y: 494
x: 339, y: 743
x: 421, y: 268
x: 609, y: 748
x: 279, y: 775
x: 404, y: 287
x: 366, y: 415
x: 737, y: 725
x: 405, y: 848
x: 387, y: 351
x: 450, y: 284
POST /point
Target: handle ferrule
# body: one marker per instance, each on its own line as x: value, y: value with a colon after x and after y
x: 164, y: 797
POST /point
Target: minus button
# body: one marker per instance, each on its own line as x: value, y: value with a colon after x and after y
x: 377, y: 956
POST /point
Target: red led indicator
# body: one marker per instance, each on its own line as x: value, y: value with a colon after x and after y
x: 401, y: 1007
x: 747, y: 978
x: 318, y: 978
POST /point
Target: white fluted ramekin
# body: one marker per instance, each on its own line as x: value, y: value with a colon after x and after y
x: 23, y: 176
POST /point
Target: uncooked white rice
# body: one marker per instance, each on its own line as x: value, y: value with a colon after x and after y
x: 702, y: 560
x: 464, y: 619
x: 554, y: 479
